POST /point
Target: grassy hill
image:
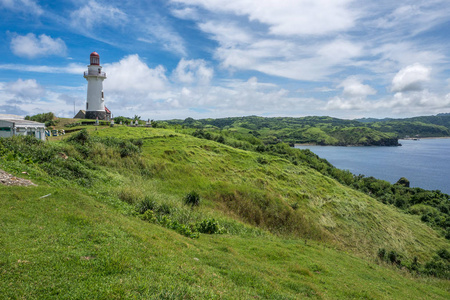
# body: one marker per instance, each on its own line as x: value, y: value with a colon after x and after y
x: 325, y: 130
x: 317, y: 130
x: 425, y: 126
x: 288, y: 231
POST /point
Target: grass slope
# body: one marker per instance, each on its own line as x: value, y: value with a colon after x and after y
x: 70, y: 245
x: 292, y: 233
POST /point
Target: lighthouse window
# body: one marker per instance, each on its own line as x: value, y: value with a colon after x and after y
x: 102, y: 95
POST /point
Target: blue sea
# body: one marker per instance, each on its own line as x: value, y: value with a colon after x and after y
x: 425, y: 162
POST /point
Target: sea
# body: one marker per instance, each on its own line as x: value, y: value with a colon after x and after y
x: 424, y: 162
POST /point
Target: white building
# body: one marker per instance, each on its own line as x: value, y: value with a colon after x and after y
x: 95, y: 104
x: 11, y: 127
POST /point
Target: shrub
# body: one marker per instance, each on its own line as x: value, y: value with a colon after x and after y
x: 394, y: 257
x: 381, y: 253
x: 128, y: 149
x: 149, y: 216
x: 81, y: 137
x: 209, y: 226
x: 444, y: 254
x: 164, y: 209
x: 129, y: 195
x: 192, y: 198
x: 262, y: 160
x: 145, y: 205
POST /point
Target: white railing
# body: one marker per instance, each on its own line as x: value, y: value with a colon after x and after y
x: 94, y: 73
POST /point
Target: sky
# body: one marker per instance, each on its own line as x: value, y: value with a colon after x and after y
x: 221, y: 58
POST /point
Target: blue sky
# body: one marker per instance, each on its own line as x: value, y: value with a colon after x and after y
x: 220, y: 58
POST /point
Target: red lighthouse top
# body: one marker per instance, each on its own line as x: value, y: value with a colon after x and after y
x: 95, y: 58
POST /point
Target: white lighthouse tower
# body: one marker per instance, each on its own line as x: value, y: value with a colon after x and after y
x: 95, y: 104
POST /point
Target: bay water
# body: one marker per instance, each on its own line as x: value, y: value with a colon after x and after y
x: 425, y: 162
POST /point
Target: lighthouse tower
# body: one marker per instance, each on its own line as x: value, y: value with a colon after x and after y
x: 95, y: 104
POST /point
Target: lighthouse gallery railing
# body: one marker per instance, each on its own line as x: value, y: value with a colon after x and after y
x: 94, y: 73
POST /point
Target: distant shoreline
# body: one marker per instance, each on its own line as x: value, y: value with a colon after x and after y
x: 427, y: 138
x: 406, y: 139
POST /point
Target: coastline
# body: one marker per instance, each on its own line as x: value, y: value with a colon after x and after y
x: 400, y: 139
x: 427, y: 138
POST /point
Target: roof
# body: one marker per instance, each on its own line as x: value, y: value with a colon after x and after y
x: 107, y: 110
x: 80, y: 115
x: 23, y: 123
x: 8, y: 116
x: 95, y: 54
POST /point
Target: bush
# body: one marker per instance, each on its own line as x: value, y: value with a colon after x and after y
x: 394, y: 258
x: 129, y: 195
x: 209, y: 226
x: 149, y: 216
x: 128, y: 149
x: 192, y: 198
x: 145, y: 205
x: 262, y: 160
x: 381, y: 253
x: 80, y: 137
x: 42, y: 118
x: 164, y: 209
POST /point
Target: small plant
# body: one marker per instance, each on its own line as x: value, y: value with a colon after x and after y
x: 178, y: 227
x: 149, y: 216
x: 294, y: 205
x: 145, y: 205
x: 262, y: 160
x: 129, y: 195
x: 192, y: 198
x: 164, y: 209
x: 209, y: 226
x: 394, y: 257
x: 80, y: 137
x: 381, y: 253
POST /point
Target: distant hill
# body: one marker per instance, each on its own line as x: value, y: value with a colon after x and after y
x: 316, y: 130
x: 425, y: 126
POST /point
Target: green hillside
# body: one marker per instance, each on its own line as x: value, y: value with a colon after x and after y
x: 325, y: 130
x: 424, y: 126
x: 110, y: 219
x: 316, y: 130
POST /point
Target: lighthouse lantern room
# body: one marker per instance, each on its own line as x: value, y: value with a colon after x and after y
x: 95, y: 104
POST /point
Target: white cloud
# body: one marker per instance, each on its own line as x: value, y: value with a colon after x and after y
x: 340, y: 51
x: 324, y: 89
x: 288, y: 17
x: 391, y: 56
x: 31, y: 46
x: 132, y: 80
x: 185, y: 13
x: 95, y: 13
x: 169, y: 39
x: 410, y: 19
x: 25, y: 89
x: 25, y: 6
x: 69, y: 69
x: 411, y: 78
x: 193, y: 71
x: 356, y: 103
x: 352, y: 87
x: 228, y: 34
x: 400, y: 104
x: 289, y: 59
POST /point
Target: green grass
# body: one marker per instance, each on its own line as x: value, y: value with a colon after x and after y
x: 292, y: 232
x: 69, y: 245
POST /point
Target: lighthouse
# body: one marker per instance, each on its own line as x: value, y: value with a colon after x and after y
x: 95, y: 102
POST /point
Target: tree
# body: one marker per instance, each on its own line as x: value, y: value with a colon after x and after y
x: 403, y: 181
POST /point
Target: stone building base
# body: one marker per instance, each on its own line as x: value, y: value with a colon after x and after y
x: 94, y: 114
